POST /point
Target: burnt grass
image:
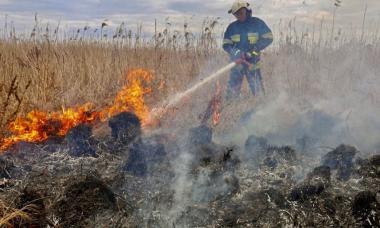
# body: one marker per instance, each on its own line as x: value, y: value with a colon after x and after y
x: 132, y: 180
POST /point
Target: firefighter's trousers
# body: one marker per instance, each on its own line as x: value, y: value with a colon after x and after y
x: 253, y: 75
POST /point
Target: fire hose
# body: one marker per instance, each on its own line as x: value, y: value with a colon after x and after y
x: 157, y: 113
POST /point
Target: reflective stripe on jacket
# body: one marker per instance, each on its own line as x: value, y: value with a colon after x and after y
x: 251, y: 35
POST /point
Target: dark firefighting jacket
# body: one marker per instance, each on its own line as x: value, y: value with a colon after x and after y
x: 250, y: 36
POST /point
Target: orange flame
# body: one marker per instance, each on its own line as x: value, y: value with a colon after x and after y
x: 131, y: 97
x: 38, y: 126
x: 213, y: 109
x: 216, y: 105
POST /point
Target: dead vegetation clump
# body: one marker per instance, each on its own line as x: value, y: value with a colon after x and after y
x: 34, y: 204
x: 82, y: 199
x: 11, y: 216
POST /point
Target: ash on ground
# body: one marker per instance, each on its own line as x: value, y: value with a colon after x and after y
x: 133, y: 180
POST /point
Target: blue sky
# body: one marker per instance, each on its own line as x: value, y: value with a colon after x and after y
x: 78, y: 13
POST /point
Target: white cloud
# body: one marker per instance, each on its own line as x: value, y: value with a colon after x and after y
x: 145, y: 11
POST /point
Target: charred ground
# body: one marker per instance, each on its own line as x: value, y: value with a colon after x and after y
x: 131, y: 179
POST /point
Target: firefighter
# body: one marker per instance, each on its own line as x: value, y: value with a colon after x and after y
x: 244, y: 39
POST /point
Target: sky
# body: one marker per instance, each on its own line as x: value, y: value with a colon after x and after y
x: 80, y: 13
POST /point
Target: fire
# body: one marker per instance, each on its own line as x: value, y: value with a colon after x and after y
x: 216, y: 105
x: 38, y: 126
x: 131, y: 97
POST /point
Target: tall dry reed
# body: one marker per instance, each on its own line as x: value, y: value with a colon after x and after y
x: 47, y: 71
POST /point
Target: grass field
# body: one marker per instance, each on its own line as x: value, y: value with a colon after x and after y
x: 320, y: 68
x: 42, y: 72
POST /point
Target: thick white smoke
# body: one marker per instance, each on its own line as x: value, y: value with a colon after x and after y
x: 330, y: 97
x: 315, y: 101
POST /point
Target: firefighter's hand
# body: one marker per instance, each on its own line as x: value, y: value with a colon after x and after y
x: 240, y: 57
x: 244, y: 58
x: 240, y: 61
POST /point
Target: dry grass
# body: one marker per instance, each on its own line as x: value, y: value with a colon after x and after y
x: 47, y: 76
x: 44, y: 72
x: 12, y: 217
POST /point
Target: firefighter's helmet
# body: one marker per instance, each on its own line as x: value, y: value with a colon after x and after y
x: 238, y: 4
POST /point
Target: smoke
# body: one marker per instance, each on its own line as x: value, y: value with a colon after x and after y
x: 317, y: 100
x: 181, y: 185
x: 314, y: 102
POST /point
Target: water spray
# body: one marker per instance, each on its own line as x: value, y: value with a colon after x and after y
x: 158, y: 112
